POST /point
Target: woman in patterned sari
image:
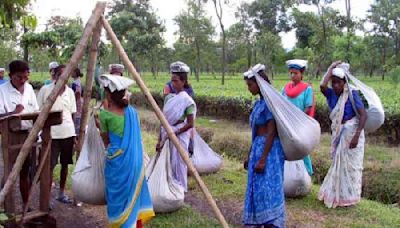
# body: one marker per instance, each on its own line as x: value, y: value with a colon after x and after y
x: 264, y: 200
x: 342, y: 184
x: 180, y: 111
x: 127, y: 195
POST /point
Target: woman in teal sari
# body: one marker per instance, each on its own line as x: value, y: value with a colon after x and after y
x: 127, y: 195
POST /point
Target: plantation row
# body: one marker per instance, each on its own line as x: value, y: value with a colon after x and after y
x: 233, y: 101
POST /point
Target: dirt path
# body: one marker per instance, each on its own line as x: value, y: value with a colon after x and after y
x: 67, y: 216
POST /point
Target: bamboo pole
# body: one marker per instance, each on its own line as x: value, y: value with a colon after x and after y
x: 164, y: 121
x: 76, y: 57
x: 88, y: 86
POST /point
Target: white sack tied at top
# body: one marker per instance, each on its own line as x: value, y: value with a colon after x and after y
x: 114, y: 82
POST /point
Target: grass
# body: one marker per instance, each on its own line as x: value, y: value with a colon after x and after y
x: 185, y: 217
x: 229, y: 185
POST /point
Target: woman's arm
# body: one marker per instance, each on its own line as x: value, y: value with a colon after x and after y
x: 325, y: 80
x: 361, y: 125
x: 106, y: 140
x: 271, y: 133
x: 189, y: 124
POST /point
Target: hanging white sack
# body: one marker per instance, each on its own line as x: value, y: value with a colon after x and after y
x: 298, y: 132
x: 375, y: 111
x: 296, y: 180
x: 88, y: 184
x: 166, y: 194
x: 204, y: 159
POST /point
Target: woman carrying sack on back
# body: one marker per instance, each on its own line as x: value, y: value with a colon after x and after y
x: 127, y: 195
x: 180, y: 111
x: 342, y: 184
x: 301, y: 95
x: 264, y: 200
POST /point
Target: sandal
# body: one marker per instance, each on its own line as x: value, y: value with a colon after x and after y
x: 65, y: 199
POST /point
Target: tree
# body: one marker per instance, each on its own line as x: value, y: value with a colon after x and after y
x: 270, y: 15
x: 8, y: 37
x: 28, y: 22
x: 271, y: 51
x: 195, y: 33
x: 12, y: 10
x: 245, y: 29
x: 137, y: 27
x: 218, y: 6
x: 385, y: 17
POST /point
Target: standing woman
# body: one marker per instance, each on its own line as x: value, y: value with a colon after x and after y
x: 127, y: 195
x: 342, y: 184
x: 264, y: 200
x: 180, y: 111
x: 301, y: 95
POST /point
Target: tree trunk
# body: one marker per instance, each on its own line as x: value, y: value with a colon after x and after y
x: 198, y: 60
x: 248, y: 55
x: 26, y: 46
x: 223, y: 54
x: 349, y: 30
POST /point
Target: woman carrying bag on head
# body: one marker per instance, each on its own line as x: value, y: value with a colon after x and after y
x: 342, y: 184
x: 264, y: 200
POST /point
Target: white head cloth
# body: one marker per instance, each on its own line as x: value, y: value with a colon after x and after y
x: 116, y: 66
x: 53, y: 65
x: 300, y: 63
x: 114, y: 82
x: 254, y: 70
x: 2, y: 69
x: 179, y: 67
x: 341, y: 70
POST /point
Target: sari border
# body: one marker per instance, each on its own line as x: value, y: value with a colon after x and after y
x: 118, y: 222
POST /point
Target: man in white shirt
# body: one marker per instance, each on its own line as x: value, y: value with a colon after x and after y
x: 62, y: 135
x: 17, y: 96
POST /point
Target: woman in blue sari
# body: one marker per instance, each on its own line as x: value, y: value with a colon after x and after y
x: 127, y: 195
x: 264, y: 201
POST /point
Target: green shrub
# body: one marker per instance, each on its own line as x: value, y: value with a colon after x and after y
x: 382, y: 184
x: 232, y: 108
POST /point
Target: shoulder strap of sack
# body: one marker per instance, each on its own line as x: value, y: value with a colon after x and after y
x: 353, y: 104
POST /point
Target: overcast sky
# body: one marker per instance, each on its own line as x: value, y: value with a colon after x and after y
x: 168, y: 9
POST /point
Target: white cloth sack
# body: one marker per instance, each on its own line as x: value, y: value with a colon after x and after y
x: 114, y: 82
x: 298, y: 132
x: 204, y: 159
x: 166, y: 194
x: 375, y: 111
x: 88, y: 181
x: 296, y: 180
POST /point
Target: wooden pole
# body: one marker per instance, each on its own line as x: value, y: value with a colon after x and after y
x: 76, y: 57
x: 35, y: 180
x: 163, y: 120
x: 88, y: 86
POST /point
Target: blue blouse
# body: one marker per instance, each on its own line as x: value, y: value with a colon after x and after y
x: 259, y: 116
x: 349, y: 112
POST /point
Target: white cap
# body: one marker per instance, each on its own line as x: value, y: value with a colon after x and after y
x: 297, y: 63
x: 53, y: 65
x: 255, y: 69
x: 338, y: 72
x: 179, y: 67
x: 116, y: 66
x: 2, y: 69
